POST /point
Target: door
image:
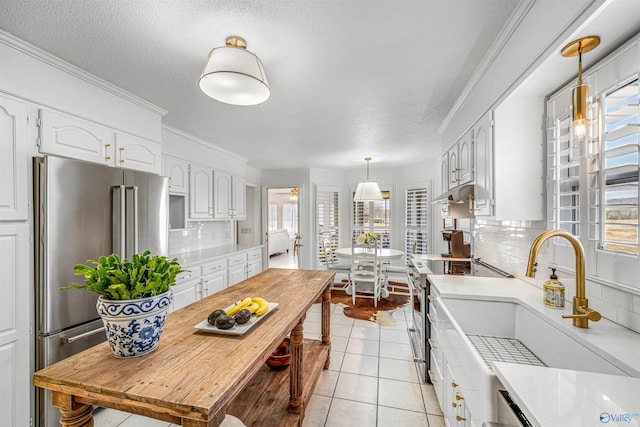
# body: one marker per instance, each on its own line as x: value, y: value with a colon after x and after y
x: 147, y: 213
x: 283, y: 240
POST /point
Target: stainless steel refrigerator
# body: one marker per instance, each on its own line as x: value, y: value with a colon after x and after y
x: 82, y: 211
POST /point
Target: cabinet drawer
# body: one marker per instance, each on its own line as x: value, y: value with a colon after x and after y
x: 254, y: 254
x: 214, y: 267
x: 236, y: 260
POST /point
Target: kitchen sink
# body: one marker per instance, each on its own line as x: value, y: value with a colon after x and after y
x: 473, y: 333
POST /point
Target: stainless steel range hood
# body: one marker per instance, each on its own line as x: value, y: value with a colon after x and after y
x: 460, y: 195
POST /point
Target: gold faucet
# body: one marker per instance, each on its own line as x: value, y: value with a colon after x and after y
x: 581, y: 311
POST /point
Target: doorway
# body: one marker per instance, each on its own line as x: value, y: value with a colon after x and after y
x: 283, y: 230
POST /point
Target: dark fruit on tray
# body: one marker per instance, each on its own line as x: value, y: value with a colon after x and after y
x: 225, y: 322
x: 214, y: 315
x: 243, y: 316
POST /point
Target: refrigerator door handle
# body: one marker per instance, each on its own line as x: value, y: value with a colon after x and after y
x: 118, y: 219
x: 69, y: 340
x: 134, y: 221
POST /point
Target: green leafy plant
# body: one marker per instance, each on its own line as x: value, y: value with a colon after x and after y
x: 121, y: 279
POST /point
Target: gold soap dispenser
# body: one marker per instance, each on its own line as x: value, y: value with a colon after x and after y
x: 554, y: 291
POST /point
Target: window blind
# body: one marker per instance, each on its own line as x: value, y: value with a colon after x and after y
x: 416, y: 223
x: 327, y: 220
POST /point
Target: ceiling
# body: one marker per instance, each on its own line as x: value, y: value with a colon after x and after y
x: 349, y: 79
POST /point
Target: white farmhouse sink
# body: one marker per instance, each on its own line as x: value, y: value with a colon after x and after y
x: 458, y: 319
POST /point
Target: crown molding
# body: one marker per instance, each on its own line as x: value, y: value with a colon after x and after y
x: 202, y: 142
x: 49, y: 59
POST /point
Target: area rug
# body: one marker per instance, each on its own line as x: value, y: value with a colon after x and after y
x: 364, y: 309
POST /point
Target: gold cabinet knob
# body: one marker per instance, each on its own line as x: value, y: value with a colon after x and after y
x: 459, y: 418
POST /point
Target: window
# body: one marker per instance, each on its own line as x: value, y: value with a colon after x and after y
x: 290, y: 218
x: 327, y: 219
x: 273, y: 216
x: 593, y: 181
x: 416, y: 222
x: 619, y: 163
x: 373, y: 217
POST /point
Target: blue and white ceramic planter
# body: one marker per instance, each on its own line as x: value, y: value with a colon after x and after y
x: 133, y: 327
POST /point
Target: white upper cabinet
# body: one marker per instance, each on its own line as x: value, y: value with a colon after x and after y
x: 200, y: 192
x: 178, y: 172
x: 519, y: 173
x: 457, y: 163
x: 14, y: 160
x: 137, y: 153
x: 69, y: 136
x: 229, y: 196
x: 222, y: 194
x: 239, y: 197
x: 483, y: 165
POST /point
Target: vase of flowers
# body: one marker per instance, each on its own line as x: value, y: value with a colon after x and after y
x: 135, y: 297
x: 368, y: 239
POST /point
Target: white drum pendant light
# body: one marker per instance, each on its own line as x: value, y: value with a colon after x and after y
x: 367, y: 191
x: 234, y: 75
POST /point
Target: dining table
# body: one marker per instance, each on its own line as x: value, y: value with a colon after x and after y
x: 385, y: 255
x: 194, y: 378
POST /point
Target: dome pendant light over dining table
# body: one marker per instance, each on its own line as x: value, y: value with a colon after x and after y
x: 367, y: 191
x: 234, y: 75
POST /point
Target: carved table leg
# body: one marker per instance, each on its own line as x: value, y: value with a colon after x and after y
x: 326, y: 322
x: 72, y: 413
x: 296, y: 369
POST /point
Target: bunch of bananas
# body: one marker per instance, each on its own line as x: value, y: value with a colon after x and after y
x: 255, y: 305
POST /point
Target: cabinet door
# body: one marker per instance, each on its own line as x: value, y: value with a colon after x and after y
x: 72, y: 137
x: 222, y: 194
x: 15, y: 338
x: 465, y: 159
x: 452, y: 156
x: 200, y: 192
x: 239, y: 197
x: 444, y: 170
x: 213, y: 283
x: 237, y: 265
x: 178, y: 172
x: 14, y: 160
x: 254, y: 262
x: 483, y: 165
x: 185, y: 292
x: 137, y: 153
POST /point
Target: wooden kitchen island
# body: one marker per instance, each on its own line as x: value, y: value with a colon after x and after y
x: 194, y: 378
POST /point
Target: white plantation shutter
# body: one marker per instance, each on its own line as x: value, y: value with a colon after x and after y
x: 416, y: 224
x: 327, y: 210
x: 619, y: 165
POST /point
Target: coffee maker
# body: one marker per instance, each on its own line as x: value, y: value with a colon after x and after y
x: 456, y: 245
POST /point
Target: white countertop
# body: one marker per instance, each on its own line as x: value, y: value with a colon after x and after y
x: 616, y: 343
x: 565, y: 398
x: 204, y: 255
x: 437, y: 257
x: 557, y: 397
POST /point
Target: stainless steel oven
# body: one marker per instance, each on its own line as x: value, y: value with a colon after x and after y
x: 420, y: 328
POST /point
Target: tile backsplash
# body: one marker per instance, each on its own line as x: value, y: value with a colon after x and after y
x: 506, y: 244
x: 201, y: 235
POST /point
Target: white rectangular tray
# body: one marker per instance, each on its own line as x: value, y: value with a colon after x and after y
x: 204, y: 326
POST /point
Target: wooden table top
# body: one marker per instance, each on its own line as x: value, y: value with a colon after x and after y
x: 191, y: 373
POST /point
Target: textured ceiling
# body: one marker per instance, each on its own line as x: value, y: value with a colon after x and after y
x: 348, y: 78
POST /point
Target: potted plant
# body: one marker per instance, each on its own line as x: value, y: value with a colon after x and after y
x: 135, y: 297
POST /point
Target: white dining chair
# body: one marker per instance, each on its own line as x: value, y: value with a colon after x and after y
x: 340, y: 268
x: 366, y: 278
x: 399, y: 275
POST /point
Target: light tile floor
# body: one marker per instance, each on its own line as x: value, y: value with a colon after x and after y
x: 372, y: 380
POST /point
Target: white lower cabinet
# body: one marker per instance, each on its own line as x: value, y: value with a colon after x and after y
x: 254, y: 262
x: 214, y: 277
x: 186, y: 290
x: 237, y: 266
